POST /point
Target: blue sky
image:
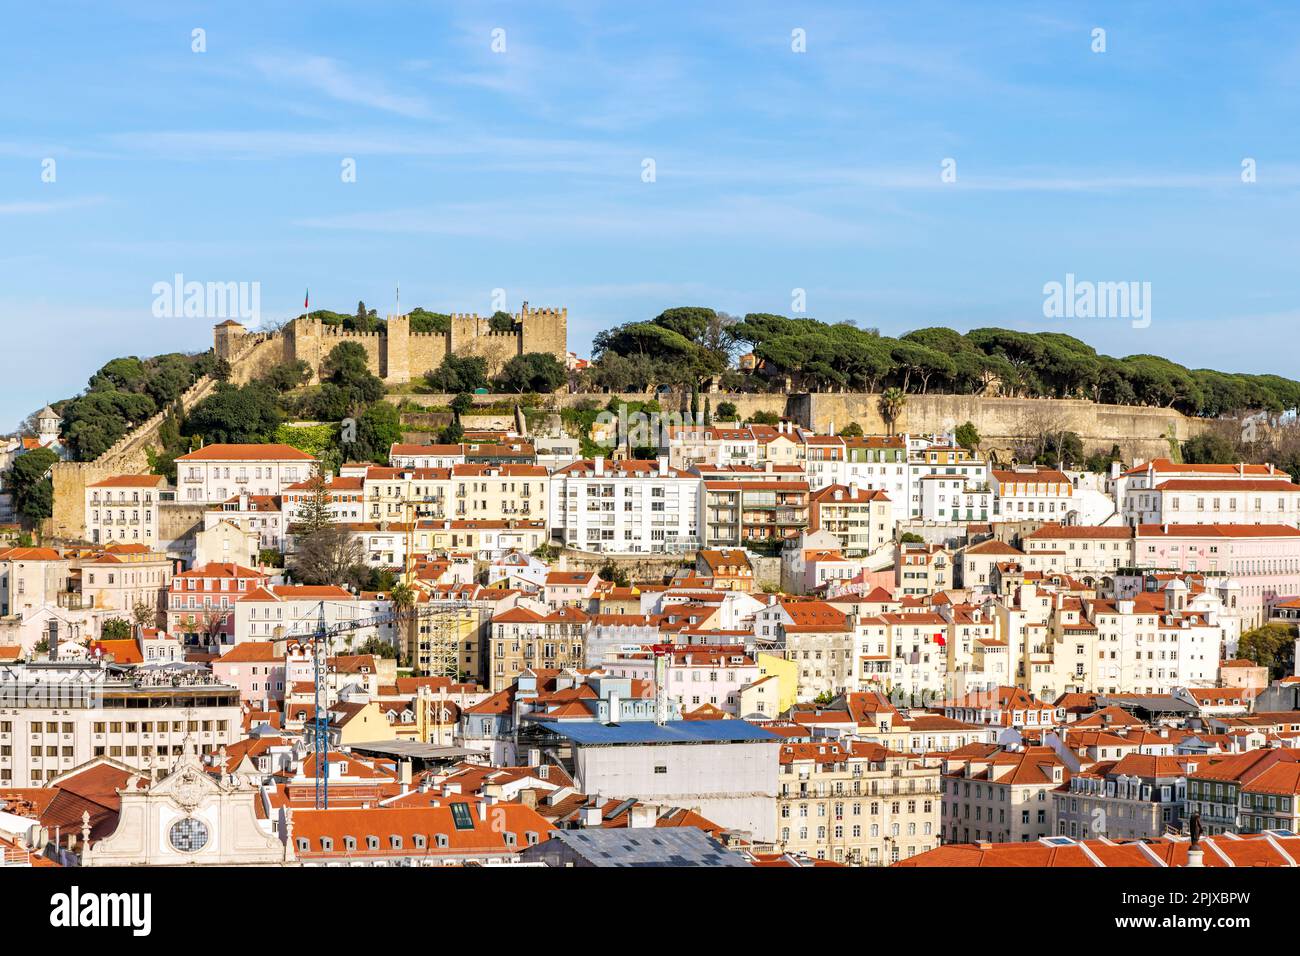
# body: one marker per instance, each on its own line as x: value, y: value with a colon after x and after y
x: 522, y: 170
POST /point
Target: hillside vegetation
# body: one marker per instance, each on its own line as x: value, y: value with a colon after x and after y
x: 686, y: 347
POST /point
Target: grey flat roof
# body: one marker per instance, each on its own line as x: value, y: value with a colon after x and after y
x: 648, y: 732
x: 642, y: 846
x: 412, y: 748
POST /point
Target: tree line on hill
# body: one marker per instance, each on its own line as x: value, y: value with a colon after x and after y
x: 687, y: 347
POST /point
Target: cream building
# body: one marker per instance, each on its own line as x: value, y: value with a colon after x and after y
x: 1000, y: 796
x: 855, y: 802
x: 862, y: 519
x: 1027, y: 491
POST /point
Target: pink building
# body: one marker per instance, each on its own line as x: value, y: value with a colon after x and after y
x: 256, y: 669
x: 201, y: 602
x: 1262, y: 560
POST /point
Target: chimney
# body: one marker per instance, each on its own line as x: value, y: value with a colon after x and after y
x: 642, y: 816
x: 592, y: 815
x: 482, y: 810
x: 598, y: 465
x: 615, y: 709
x: 663, y: 465
x: 404, y: 775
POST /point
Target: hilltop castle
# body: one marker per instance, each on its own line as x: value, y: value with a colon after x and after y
x: 396, y: 354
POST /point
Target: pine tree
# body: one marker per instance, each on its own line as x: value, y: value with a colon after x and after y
x: 316, y: 514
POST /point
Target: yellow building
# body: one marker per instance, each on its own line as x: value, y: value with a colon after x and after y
x: 777, y: 694
x: 358, y: 723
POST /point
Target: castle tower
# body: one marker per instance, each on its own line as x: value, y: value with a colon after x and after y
x: 545, y: 330
x: 226, y: 338
x: 396, y: 351
x: 303, y: 343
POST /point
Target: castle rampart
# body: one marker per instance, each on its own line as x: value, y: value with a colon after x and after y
x: 396, y: 354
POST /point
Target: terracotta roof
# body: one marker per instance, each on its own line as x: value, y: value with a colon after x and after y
x: 247, y: 452
x: 131, y: 481
x: 1218, y: 484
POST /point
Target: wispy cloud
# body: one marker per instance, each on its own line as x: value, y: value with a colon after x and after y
x: 41, y: 207
x: 583, y: 217
x: 325, y: 75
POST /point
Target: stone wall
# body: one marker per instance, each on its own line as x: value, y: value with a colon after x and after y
x: 1140, y: 432
x: 639, y: 567
x: 397, y: 355
x: 129, y: 456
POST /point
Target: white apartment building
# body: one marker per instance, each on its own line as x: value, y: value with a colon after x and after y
x: 1147, y: 644
x: 861, y: 519
x: 124, y: 509
x: 1233, y: 500
x: 625, y: 506
x: 959, y: 471
x: 696, y: 675
x: 953, y: 498
x: 1147, y: 476
x: 880, y: 462
x: 216, y: 473
x: 1000, y: 796
x: 59, y: 715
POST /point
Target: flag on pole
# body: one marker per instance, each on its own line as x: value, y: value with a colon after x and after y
x: 306, y: 297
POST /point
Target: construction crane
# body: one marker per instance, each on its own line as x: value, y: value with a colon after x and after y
x: 445, y: 657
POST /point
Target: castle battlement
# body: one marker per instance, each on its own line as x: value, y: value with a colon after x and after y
x: 395, y: 353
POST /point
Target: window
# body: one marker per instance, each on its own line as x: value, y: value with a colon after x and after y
x: 461, y: 816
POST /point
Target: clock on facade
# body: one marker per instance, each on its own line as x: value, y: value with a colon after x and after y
x: 189, y: 835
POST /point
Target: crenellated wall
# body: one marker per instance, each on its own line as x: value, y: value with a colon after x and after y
x: 397, y: 355
x: 129, y: 456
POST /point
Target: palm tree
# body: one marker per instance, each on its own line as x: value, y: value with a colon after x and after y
x: 892, y: 402
x: 403, y: 597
